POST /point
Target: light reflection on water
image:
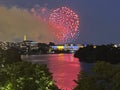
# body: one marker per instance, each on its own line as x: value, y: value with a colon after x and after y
x: 64, y: 67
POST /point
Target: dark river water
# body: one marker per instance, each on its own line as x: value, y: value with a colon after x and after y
x: 64, y: 67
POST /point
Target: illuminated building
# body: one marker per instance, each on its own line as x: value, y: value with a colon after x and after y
x: 70, y: 47
x: 60, y: 47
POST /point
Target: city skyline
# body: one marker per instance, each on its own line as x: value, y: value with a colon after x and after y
x: 99, y: 20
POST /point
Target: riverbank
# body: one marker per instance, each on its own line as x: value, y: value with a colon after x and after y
x: 107, y: 53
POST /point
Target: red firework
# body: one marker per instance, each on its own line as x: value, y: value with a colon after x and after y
x: 65, y: 23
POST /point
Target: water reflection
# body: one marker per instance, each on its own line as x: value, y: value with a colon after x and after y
x: 65, y: 69
x: 63, y: 66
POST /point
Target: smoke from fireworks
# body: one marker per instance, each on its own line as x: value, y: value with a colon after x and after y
x: 15, y: 22
x: 41, y: 13
x: 64, y: 22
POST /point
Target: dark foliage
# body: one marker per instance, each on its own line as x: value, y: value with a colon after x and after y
x: 104, y: 76
x: 43, y: 48
x: 9, y: 56
x: 106, y: 53
x: 26, y: 76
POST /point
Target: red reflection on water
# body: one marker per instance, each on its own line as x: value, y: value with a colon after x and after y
x: 65, y: 69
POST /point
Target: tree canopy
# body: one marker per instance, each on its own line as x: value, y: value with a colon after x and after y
x: 104, y: 76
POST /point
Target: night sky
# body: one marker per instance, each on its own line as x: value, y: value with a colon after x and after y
x: 99, y: 19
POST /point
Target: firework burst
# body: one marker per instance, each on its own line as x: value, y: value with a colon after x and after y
x: 65, y: 23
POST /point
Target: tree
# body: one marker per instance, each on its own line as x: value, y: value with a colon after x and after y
x: 16, y: 74
x: 26, y: 76
x: 106, y: 53
x: 51, y: 44
x: 104, y: 76
x: 9, y: 56
x: 43, y: 48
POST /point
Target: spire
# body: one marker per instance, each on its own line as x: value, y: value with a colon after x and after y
x: 25, y: 37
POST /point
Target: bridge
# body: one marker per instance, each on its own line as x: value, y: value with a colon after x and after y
x: 70, y: 47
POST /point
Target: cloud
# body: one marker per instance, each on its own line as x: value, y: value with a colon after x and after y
x: 15, y: 22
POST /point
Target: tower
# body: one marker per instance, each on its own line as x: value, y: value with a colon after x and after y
x: 25, y: 37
